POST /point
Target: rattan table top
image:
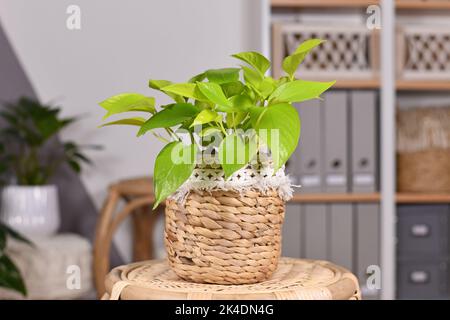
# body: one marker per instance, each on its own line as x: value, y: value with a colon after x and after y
x: 294, y: 279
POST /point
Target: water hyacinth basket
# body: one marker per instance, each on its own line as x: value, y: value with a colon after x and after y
x: 227, y: 231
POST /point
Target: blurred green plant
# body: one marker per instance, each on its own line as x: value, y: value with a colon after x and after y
x: 224, y: 104
x: 10, y: 276
x: 29, y: 128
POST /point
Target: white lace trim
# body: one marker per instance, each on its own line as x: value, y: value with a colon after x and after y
x: 210, y: 177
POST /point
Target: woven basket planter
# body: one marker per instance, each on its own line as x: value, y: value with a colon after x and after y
x: 226, y: 232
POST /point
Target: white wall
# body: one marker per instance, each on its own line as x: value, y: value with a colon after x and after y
x: 120, y: 46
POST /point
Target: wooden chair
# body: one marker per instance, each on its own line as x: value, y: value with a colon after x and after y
x: 139, y: 198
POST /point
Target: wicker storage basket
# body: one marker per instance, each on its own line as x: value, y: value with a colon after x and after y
x: 226, y: 232
x: 423, y: 150
x: 349, y: 52
x: 423, y: 52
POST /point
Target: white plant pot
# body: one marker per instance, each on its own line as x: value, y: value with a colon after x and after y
x: 31, y: 210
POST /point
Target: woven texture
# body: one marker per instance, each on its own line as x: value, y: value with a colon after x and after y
x: 259, y: 176
x: 427, y: 52
x: 423, y: 138
x: 345, y: 51
x: 224, y: 237
x: 294, y: 279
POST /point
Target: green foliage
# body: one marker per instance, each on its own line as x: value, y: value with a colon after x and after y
x: 281, y: 133
x: 169, y: 175
x: 255, y: 59
x: 299, y: 90
x: 291, y: 63
x: 10, y: 276
x: 235, y: 151
x: 221, y: 76
x: 170, y: 116
x: 227, y: 103
x: 30, y: 127
x: 126, y: 102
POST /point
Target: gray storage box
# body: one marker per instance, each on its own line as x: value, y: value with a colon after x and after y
x: 423, y: 280
x: 423, y: 231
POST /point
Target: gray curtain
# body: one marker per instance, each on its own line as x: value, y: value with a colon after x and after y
x: 78, y: 213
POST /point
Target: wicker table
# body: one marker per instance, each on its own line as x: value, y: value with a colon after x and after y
x: 295, y: 279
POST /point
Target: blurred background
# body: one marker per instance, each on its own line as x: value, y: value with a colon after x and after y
x: 373, y: 161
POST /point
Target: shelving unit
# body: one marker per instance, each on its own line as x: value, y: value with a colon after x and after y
x: 389, y: 86
x: 400, y: 198
x: 422, y: 4
x: 408, y: 85
x: 321, y: 3
x: 399, y: 4
x: 422, y: 198
x: 336, y: 198
x: 401, y: 85
x: 354, y: 84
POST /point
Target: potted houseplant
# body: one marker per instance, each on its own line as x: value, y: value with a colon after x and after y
x: 229, y: 133
x: 28, y: 159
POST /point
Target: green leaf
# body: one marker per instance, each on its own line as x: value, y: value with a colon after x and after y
x: 278, y: 126
x: 254, y: 59
x: 232, y: 88
x: 267, y: 86
x: 170, y: 116
x: 209, y: 131
x: 159, y: 84
x: 235, y: 118
x: 252, y: 77
x: 14, y: 234
x: 128, y: 102
x: 137, y: 121
x: 82, y: 158
x: 225, y: 75
x: 291, y: 63
x: 241, y: 102
x: 234, y: 153
x: 206, y: 116
x: 308, y: 45
x: 214, y: 93
x: 10, y: 276
x: 197, y: 78
x: 2, y: 240
x: 171, y: 171
x: 299, y: 90
x: 188, y: 90
x: 74, y: 165
x: 256, y: 113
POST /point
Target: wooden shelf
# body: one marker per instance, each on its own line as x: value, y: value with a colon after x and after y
x: 368, y: 197
x: 422, y: 5
x: 422, y: 198
x: 348, y: 83
x: 423, y: 85
x: 410, y: 4
x: 322, y: 3
x: 402, y: 85
x: 357, y: 84
x: 333, y: 198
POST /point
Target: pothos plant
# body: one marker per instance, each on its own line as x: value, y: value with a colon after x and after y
x: 226, y: 103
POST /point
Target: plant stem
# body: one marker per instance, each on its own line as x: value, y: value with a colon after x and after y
x: 220, y: 124
x: 160, y: 138
x: 172, y: 134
